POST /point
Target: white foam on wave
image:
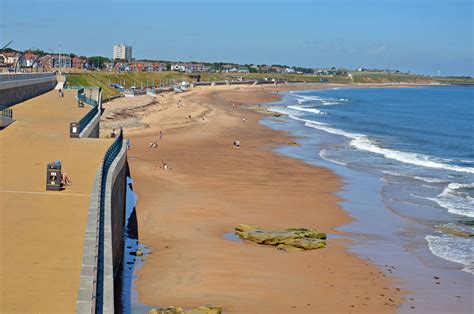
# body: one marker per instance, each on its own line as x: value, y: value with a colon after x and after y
x: 329, y: 102
x: 302, y: 98
x: 454, y: 249
x: 323, y: 153
x: 456, y: 199
x: 363, y: 142
x: 429, y: 186
x: 430, y: 180
x: 392, y: 173
x: 312, y: 110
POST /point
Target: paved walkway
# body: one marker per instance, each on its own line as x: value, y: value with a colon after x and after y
x: 42, y: 232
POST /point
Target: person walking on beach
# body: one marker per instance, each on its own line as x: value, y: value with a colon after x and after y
x: 161, y: 135
x: 59, y: 92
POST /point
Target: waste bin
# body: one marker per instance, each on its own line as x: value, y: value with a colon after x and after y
x: 53, y: 176
x: 74, y: 130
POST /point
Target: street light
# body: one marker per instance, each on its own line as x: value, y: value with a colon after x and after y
x: 59, y: 61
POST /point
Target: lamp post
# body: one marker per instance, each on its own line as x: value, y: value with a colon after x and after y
x: 59, y: 61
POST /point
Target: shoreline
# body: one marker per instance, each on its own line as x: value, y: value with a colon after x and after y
x: 391, y: 231
x: 151, y: 293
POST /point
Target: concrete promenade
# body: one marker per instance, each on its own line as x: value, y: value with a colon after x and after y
x: 42, y: 232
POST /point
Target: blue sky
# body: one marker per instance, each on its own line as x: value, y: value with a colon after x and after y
x: 422, y: 36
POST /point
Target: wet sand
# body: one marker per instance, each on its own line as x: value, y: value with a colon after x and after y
x: 184, y: 212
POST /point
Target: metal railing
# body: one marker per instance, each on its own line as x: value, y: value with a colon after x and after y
x: 109, y: 158
x: 24, y: 76
x: 81, y: 96
x: 88, y: 118
x: 6, y: 112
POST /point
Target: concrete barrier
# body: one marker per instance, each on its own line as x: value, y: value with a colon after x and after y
x: 92, y: 129
x: 4, y: 122
x: 18, y: 87
x: 103, y: 242
x: 114, y: 224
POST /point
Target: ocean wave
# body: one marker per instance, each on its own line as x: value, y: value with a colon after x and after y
x: 312, y: 110
x: 429, y: 186
x: 301, y: 99
x: 457, y: 199
x: 430, y: 180
x: 454, y: 249
x: 363, y: 142
x: 393, y: 173
x: 329, y: 102
x: 323, y: 155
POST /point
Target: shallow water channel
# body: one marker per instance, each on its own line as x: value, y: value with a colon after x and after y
x: 131, y: 263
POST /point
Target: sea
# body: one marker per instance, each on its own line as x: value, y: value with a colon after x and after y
x: 406, y: 156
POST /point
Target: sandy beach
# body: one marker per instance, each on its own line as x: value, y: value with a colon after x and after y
x: 185, y: 211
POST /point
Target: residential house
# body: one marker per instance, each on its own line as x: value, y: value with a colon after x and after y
x: 28, y: 59
x: 178, y: 67
x: 148, y: 67
x: 79, y: 63
x: 243, y: 70
x: 63, y: 61
x: 159, y: 67
x: 3, y: 60
x: 45, y: 62
x: 11, y: 58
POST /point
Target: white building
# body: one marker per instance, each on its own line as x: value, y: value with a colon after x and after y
x: 178, y: 67
x: 123, y: 52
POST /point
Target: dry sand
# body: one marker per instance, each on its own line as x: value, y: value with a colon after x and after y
x: 184, y: 212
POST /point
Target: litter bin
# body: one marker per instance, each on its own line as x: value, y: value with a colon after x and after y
x: 53, y: 176
x: 74, y: 130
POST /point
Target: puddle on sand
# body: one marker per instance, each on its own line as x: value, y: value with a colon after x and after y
x: 133, y: 258
x: 232, y: 237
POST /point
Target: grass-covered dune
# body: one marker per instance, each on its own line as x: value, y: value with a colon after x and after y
x: 128, y: 79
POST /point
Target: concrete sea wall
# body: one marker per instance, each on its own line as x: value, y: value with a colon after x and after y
x: 103, y: 242
x: 92, y: 129
x: 15, y: 88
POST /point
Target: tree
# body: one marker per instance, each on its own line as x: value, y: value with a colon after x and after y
x: 97, y: 61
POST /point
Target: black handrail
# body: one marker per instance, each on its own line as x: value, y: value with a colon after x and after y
x: 81, y: 96
x: 88, y: 118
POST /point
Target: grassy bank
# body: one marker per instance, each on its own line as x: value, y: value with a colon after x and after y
x: 128, y: 79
